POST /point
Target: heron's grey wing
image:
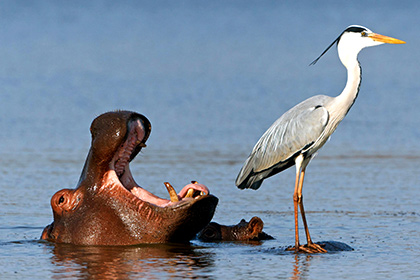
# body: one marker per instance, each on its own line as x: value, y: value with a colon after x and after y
x: 295, y: 131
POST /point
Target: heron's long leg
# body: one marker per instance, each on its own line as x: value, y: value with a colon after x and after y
x: 302, y: 210
x: 313, y: 247
x: 301, y: 164
x: 296, y: 209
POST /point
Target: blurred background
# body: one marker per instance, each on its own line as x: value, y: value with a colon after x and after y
x: 208, y: 74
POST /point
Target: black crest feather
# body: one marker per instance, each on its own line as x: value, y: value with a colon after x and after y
x: 353, y: 28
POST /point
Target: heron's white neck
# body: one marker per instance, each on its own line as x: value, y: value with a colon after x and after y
x: 354, y: 77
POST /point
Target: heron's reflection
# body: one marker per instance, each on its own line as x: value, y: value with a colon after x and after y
x: 115, y: 262
x: 302, y: 261
x: 301, y: 266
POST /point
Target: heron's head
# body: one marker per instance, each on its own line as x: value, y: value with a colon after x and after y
x: 355, y: 38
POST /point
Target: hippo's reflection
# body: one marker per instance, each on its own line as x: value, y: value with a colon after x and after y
x: 122, y: 262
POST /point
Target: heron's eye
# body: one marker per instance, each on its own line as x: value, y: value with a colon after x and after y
x: 364, y: 34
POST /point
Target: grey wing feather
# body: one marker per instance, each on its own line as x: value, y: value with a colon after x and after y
x: 295, y: 131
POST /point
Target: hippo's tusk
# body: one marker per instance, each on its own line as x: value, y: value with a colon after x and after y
x: 172, y: 192
x: 194, y: 182
x: 190, y: 193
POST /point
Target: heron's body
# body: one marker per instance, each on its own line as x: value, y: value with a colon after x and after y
x: 300, y: 132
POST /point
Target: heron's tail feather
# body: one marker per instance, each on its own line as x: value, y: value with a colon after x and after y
x: 252, y: 183
x: 247, y: 178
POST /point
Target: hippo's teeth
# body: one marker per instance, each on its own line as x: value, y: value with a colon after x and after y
x: 142, y: 145
x: 190, y: 193
x: 203, y: 193
x: 172, y: 192
x: 194, y: 182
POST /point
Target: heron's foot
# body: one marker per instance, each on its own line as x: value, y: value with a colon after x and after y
x: 310, y: 248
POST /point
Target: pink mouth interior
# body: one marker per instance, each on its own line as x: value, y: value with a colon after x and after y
x: 120, y: 164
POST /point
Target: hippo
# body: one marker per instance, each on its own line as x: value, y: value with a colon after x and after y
x: 243, y: 231
x: 109, y: 208
x: 252, y: 231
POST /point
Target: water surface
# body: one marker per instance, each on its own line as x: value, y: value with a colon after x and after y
x: 211, y: 77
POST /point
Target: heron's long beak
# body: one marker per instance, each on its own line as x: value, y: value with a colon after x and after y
x: 384, y: 39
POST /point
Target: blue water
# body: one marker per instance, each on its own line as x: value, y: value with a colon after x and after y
x: 211, y: 77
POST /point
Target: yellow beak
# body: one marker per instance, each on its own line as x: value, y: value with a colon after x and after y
x: 385, y: 39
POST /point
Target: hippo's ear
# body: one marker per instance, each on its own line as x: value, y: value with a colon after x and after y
x: 64, y: 201
x: 255, y: 226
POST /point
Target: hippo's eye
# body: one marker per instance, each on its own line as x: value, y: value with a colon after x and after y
x: 61, y: 200
x: 211, y: 234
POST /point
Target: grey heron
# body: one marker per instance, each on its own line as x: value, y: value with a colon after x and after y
x: 298, y: 134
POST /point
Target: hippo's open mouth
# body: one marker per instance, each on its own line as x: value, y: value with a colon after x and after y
x: 119, y: 167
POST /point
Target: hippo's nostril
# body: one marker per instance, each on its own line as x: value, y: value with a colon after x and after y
x: 61, y: 200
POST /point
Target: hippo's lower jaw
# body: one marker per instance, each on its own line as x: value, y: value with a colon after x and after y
x: 110, y: 208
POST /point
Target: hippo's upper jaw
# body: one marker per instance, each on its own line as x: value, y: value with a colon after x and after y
x: 110, y: 208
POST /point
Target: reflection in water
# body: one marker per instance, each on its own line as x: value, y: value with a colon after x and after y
x: 301, y: 266
x: 297, y: 264
x: 121, y: 262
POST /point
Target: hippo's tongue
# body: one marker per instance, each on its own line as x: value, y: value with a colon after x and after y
x: 193, y: 190
x: 190, y: 191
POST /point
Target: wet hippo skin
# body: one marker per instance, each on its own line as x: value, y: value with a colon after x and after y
x: 109, y: 208
x: 243, y: 231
